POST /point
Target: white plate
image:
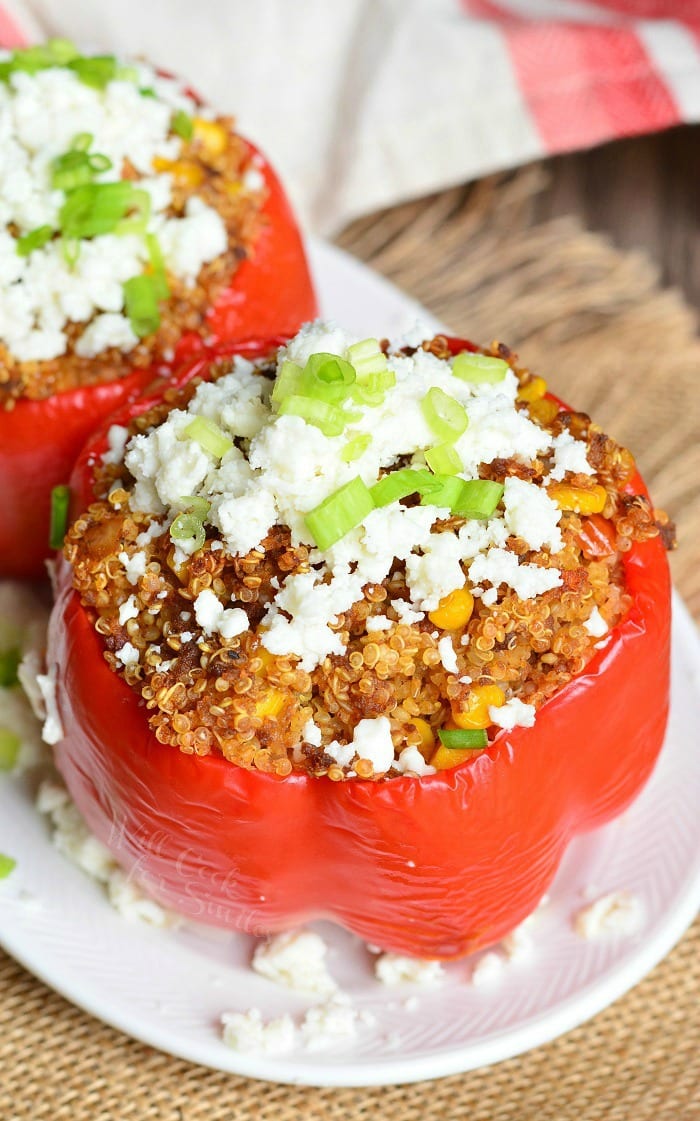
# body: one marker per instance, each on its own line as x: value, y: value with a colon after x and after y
x: 169, y: 987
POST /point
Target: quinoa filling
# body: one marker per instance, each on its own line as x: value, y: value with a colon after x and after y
x: 125, y: 210
x: 266, y: 610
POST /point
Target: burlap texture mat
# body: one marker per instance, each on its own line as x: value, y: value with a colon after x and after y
x: 595, y: 323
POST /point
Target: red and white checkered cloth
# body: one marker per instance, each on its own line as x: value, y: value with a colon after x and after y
x: 364, y: 103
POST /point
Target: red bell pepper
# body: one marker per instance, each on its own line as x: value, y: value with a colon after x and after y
x: 436, y: 867
x: 270, y: 294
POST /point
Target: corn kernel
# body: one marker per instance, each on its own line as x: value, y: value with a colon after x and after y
x: 579, y: 499
x: 211, y: 135
x: 427, y: 737
x: 543, y: 410
x: 532, y: 390
x: 182, y: 170
x: 481, y: 698
x: 445, y: 757
x: 454, y: 610
x: 271, y: 704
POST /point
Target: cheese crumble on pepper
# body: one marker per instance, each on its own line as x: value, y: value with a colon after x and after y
x: 381, y: 554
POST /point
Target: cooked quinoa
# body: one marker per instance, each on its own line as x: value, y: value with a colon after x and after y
x: 75, y: 126
x: 220, y: 638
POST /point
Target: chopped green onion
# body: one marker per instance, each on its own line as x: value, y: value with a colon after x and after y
x: 139, y: 213
x: 328, y: 378
x: 60, y: 501
x: 447, y: 418
x: 372, y: 389
x: 367, y: 358
x: 339, y: 513
x: 444, y: 460
x: 479, y: 368
x: 478, y: 498
x: 141, y: 301
x: 182, y: 124
x: 329, y: 418
x: 287, y: 381
x: 96, y: 72
x: 9, y: 664
x: 399, y: 484
x: 10, y: 744
x: 100, y: 162
x: 96, y: 208
x: 70, y: 248
x: 196, y: 505
x: 473, y: 738
x: 147, y: 91
x: 446, y: 492
x: 33, y: 240
x: 159, y: 275
x: 71, y: 170
x: 355, y: 447
x: 209, y: 436
x: 7, y: 865
x: 188, y: 527
x: 127, y: 74
x: 61, y: 50
x: 81, y: 141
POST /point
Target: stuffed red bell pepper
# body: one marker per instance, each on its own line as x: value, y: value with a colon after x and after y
x: 361, y: 633
x: 136, y: 227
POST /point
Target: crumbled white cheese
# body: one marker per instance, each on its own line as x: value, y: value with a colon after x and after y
x: 296, y: 960
x: 595, y: 624
x: 513, y: 714
x: 411, y: 761
x: 128, y: 610
x: 343, y: 753
x: 189, y: 242
x: 372, y: 741
x: 110, y: 329
x: 214, y: 618
x: 569, y: 455
x: 447, y: 654
x: 117, y: 436
x: 248, y: 1033
x: 52, y: 731
x: 73, y: 839
x: 128, y: 655
x: 378, y: 623
x: 395, y: 969
x: 488, y: 969
x: 326, y: 1025
x: 619, y: 912
x: 311, y: 733
x: 499, y: 566
x: 531, y: 514
x: 134, y: 567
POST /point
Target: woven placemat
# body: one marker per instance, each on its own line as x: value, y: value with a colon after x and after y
x: 596, y: 324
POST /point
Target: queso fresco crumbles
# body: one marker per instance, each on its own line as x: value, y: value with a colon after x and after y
x: 125, y: 209
x: 353, y: 559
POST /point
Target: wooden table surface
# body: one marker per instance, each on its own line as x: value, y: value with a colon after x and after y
x: 644, y: 193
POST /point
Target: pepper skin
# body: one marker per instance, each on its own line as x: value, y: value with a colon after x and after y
x: 435, y: 867
x: 270, y: 294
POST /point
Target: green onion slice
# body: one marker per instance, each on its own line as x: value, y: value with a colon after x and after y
x: 139, y: 213
x: 329, y: 418
x: 478, y: 498
x: 196, y: 505
x: 181, y: 124
x: 209, y: 436
x: 367, y: 358
x: 399, y: 484
x: 444, y: 460
x: 96, y: 72
x: 10, y: 744
x: 287, y: 382
x: 7, y: 865
x: 446, y: 492
x: 188, y: 527
x: 9, y: 664
x: 60, y: 501
x: 446, y: 417
x: 33, y: 240
x: 141, y: 301
x: 97, y: 208
x: 473, y: 738
x: 159, y: 274
x: 339, y: 513
x: 479, y: 368
x: 355, y: 447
